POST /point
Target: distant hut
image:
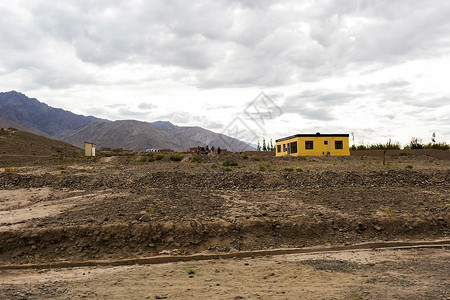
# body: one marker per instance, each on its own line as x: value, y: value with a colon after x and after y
x: 89, y: 149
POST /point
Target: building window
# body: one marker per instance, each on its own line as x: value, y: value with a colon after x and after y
x: 294, y: 147
x: 338, y: 145
x: 325, y: 142
x: 278, y: 148
x: 284, y: 147
x: 309, y: 145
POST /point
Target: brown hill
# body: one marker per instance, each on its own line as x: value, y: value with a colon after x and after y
x: 138, y: 136
x: 130, y: 135
x: 209, y: 138
x: 14, y: 142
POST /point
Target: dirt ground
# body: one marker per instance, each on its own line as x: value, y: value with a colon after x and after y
x: 132, y: 206
x: 382, y: 274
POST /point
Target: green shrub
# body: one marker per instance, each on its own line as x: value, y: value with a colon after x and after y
x: 245, y: 156
x: 437, y: 146
x: 379, y: 146
x: 409, y: 167
x: 143, y: 159
x: 149, y: 154
x: 196, y: 159
x: 227, y: 170
x: 415, y: 143
x: 159, y: 157
x: 60, y: 168
x: 299, y: 170
x: 214, y: 166
x: 176, y: 157
x: 288, y: 169
x: 9, y: 170
x: 230, y: 164
x: 262, y: 168
x: 394, y: 146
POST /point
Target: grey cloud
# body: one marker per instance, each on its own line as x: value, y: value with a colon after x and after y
x: 127, y: 112
x: 170, y: 34
x: 226, y: 43
x: 316, y: 104
x: 116, y: 105
x: 429, y: 102
x: 395, y: 84
x: 146, y: 106
x: 119, y: 112
x: 217, y: 106
x: 321, y: 114
x: 185, y: 119
x: 321, y: 97
x: 214, y: 125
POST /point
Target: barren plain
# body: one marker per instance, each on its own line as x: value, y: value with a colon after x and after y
x: 118, y: 208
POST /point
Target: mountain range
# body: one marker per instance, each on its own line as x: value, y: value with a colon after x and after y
x: 29, y: 114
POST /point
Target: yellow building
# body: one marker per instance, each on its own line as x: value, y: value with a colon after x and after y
x: 313, y: 145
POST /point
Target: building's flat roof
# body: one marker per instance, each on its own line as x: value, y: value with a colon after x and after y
x: 313, y: 135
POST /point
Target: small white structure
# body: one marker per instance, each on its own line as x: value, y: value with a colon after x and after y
x: 89, y: 149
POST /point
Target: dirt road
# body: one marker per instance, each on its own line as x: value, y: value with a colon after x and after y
x: 358, y: 274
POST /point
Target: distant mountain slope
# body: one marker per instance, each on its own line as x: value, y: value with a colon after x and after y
x: 131, y: 135
x: 39, y: 117
x: 7, y: 124
x: 21, y: 112
x: 16, y: 142
x: 206, y: 137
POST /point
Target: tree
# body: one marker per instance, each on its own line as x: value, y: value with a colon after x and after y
x: 272, y: 147
x: 258, y: 148
x: 264, y: 148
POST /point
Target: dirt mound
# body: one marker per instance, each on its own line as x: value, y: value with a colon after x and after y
x: 122, y: 240
x: 19, y: 146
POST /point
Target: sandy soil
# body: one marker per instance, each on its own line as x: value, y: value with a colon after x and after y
x: 382, y: 274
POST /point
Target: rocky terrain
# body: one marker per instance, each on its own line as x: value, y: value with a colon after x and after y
x: 132, y: 206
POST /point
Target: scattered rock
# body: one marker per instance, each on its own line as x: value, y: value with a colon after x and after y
x: 377, y: 228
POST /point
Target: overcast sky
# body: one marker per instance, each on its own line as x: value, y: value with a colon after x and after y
x: 379, y: 69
